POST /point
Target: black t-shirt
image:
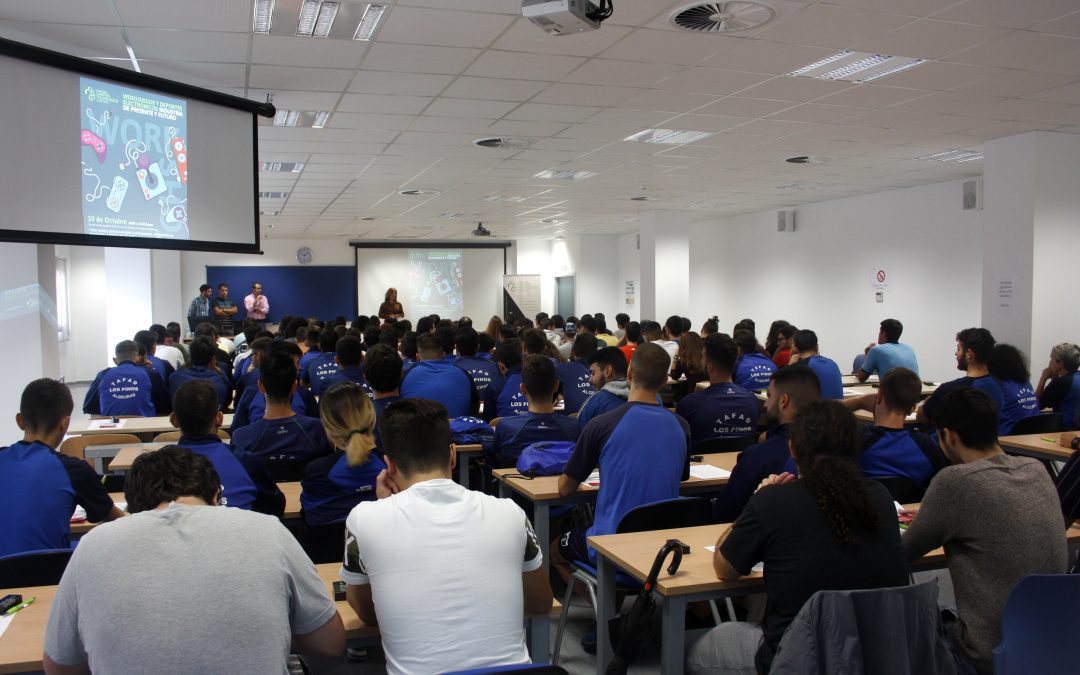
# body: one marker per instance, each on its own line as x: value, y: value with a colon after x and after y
x: 784, y: 527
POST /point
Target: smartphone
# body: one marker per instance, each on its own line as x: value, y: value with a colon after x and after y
x: 339, y: 590
x: 9, y: 601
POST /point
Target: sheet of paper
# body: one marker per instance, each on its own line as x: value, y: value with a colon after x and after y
x: 79, y: 515
x: 5, y: 621
x: 848, y: 392
x: 707, y: 471
x: 593, y: 479
x: 106, y: 424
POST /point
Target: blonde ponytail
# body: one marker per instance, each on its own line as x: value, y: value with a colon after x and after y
x: 348, y: 417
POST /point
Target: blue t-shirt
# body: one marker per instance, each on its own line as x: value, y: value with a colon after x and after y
x: 252, y: 406
x: 517, y: 432
x: 601, y: 402
x: 576, y: 388
x: 164, y: 369
x: 482, y: 371
x: 443, y: 382
x: 237, y: 487
x: 240, y: 369
x: 753, y: 371
x: 642, y: 452
x: 891, y: 453
x: 193, y: 373
x: 1018, y: 402
x: 1062, y: 394
x: 331, y: 488
x: 828, y: 373
x: 39, y: 489
x: 306, y: 360
x: 127, y: 389
x: 295, y: 437
x: 985, y: 383
x: 503, y: 397
x: 380, y: 408
x: 753, y: 465
x: 888, y: 355
x: 724, y: 410
x: 318, y: 369
x: 356, y: 375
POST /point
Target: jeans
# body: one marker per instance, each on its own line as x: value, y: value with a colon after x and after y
x: 727, y: 649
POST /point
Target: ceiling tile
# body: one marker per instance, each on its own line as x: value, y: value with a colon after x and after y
x: 873, y: 96
x: 1006, y: 13
x: 714, y: 81
x: 84, y: 41
x: 343, y: 120
x: 737, y: 106
x: 1015, y: 83
x: 418, y: 58
x: 762, y: 56
x: 631, y: 117
x: 829, y: 26
x: 233, y: 17
x: 426, y: 26
x: 1019, y: 49
x: 711, y: 123
x: 414, y: 84
x: 545, y: 112
x: 786, y: 88
x: 519, y: 66
x: 620, y: 73
x: 908, y: 7
x: 282, y: 50
x: 817, y: 113
x: 659, y: 46
x: 494, y: 89
x: 581, y: 94
x: 176, y: 45
x: 472, y: 125
x: 666, y: 100
x: 930, y: 39
x: 934, y: 75
x: 197, y: 74
x: 455, y: 107
x: 375, y: 103
x: 1067, y: 25
x: 522, y: 128
x: 525, y: 37
x: 298, y: 79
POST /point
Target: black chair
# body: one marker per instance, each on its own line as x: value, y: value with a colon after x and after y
x: 1043, y: 423
x: 286, y: 470
x: 325, y: 543
x: 730, y: 444
x: 34, y: 568
x: 902, y: 489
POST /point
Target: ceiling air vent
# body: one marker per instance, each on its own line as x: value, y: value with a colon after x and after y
x: 723, y: 17
x: 806, y: 159
x: 503, y: 143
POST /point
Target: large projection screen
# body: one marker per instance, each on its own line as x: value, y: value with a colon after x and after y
x: 451, y: 281
x: 96, y: 155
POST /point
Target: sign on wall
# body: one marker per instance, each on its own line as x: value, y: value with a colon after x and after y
x: 630, y: 294
x: 521, y: 296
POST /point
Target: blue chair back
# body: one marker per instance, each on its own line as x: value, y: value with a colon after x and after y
x: 1040, y: 622
x: 34, y: 568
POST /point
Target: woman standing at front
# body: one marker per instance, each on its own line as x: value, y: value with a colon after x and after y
x: 391, y: 308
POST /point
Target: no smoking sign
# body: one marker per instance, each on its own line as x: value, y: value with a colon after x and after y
x: 879, y: 278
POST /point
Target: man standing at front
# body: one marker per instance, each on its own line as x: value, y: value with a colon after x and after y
x: 224, y: 309
x: 413, y: 557
x: 256, y: 304
x: 200, y: 306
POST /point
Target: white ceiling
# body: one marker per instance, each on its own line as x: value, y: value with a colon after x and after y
x: 441, y: 73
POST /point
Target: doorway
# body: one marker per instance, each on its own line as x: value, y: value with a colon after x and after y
x: 564, y: 296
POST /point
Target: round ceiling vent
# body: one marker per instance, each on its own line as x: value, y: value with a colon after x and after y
x: 723, y: 17
x: 806, y: 159
x: 503, y: 143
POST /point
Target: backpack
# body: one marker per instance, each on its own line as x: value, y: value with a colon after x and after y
x: 471, y: 431
x: 547, y: 458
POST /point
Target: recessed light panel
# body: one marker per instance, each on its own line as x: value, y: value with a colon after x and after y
x: 955, y: 156
x: 668, y: 136
x: 857, y: 67
x: 293, y: 167
x: 564, y: 174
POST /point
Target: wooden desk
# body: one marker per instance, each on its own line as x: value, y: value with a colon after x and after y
x: 133, y: 425
x: 23, y: 643
x: 695, y: 580
x: 543, y: 492
x: 465, y: 453
x: 1033, y: 445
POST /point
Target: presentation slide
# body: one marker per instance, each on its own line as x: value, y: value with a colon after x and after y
x: 134, y: 162
x: 450, y: 282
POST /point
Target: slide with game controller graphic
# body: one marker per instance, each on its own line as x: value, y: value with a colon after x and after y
x: 134, y: 162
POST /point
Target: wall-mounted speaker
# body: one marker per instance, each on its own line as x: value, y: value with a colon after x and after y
x: 785, y: 221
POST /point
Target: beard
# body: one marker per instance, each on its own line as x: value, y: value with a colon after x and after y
x: 961, y: 363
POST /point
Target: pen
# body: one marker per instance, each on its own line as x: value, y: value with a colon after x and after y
x: 1048, y: 439
x: 27, y: 602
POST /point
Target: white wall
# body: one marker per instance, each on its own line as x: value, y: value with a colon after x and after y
x: 629, y: 269
x: 534, y: 256
x: 596, y: 286
x: 819, y: 276
x: 87, y: 349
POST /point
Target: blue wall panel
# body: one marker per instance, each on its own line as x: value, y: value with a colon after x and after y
x: 321, y: 291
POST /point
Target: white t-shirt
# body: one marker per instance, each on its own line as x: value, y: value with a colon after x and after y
x: 670, y: 346
x: 444, y: 564
x: 171, y: 354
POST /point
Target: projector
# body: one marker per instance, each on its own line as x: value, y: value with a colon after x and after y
x: 561, y: 17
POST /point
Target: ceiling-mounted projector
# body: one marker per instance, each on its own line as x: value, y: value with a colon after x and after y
x: 562, y: 17
x: 481, y: 231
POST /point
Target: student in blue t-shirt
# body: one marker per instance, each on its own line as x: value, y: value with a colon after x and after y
x: 436, y: 379
x: 334, y: 484
x: 607, y: 375
x: 903, y: 460
x: 514, y: 433
x: 483, y: 371
x: 202, y: 367
x: 322, y: 365
x: 974, y: 347
x: 348, y: 367
x: 888, y: 353
x: 753, y: 370
x: 128, y: 388
x: 1009, y: 365
x: 574, y: 376
x: 246, y: 483
x: 252, y: 403
x: 790, y: 390
x: 309, y: 338
x: 806, y: 350
x: 246, y: 373
x: 39, y: 487
x: 382, y: 369
x: 147, y: 341
x: 503, y: 397
x: 1059, y: 387
x: 281, y: 434
x: 485, y: 344
x: 724, y: 409
x: 641, y: 449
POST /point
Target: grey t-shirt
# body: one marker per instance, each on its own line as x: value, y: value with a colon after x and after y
x: 188, y: 589
x: 999, y: 520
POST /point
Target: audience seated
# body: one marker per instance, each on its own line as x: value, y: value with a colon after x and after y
x: 974, y: 347
x: 586, y: 325
x: 448, y: 337
x: 830, y: 529
x: 439, y: 380
x: 308, y: 342
x: 607, y: 375
x: 754, y: 369
x: 245, y: 481
x: 785, y: 345
x: 251, y: 405
x: 225, y: 348
x: 632, y: 339
x: 147, y: 341
x: 481, y: 369
x: 688, y: 368
x: 1009, y: 366
x: 334, y: 484
x: 280, y: 434
x: 174, y: 562
x: 904, y: 459
x: 413, y: 557
x: 888, y: 353
x: 166, y: 351
x: 790, y: 390
x: 806, y: 354
x: 669, y: 337
x: 322, y: 365
x: 1059, y: 387
x: 503, y: 397
x: 998, y: 517
x: 539, y: 384
x: 39, y: 487
x: 348, y: 366
x: 724, y: 409
x: 129, y: 388
x: 246, y: 373
x: 383, y: 372
x: 574, y: 374
x: 203, y: 367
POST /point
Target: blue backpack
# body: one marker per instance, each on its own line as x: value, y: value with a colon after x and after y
x: 471, y: 431
x: 547, y: 458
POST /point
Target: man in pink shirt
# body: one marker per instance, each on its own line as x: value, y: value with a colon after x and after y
x: 256, y: 304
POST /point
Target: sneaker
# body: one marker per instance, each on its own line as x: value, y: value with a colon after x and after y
x: 588, y: 640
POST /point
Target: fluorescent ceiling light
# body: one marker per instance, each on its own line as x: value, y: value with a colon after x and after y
x: 327, y: 13
x: 564, y: 174
x: 316, y: 119
x: 294, y: 167
x: 668, y: 136
x: 955, y: 156
x: 369, y: 22
x: 857, y: 67
x: 134, y: 61
x: 273, y: 195
x: 320, y: 119
x: 264, y: 16
x: 309, y: 13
